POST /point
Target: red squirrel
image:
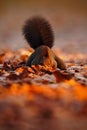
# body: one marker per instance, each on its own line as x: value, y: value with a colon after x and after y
x: 39, y: 34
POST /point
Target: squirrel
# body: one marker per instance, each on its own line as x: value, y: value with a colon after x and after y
x: 39, y: 34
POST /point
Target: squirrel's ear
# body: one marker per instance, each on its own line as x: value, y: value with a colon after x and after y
x: 37, y: 31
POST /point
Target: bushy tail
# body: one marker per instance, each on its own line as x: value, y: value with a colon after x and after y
x: 37, y: 31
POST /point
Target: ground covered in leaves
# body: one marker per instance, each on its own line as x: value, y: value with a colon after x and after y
x: 42, y: 98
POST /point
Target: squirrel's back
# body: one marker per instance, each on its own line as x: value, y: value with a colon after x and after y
x: 37, y: 31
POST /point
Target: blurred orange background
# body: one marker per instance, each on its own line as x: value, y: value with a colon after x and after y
x: 68, y: 19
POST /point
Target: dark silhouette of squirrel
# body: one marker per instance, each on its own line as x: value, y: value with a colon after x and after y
x: 38, y: 33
